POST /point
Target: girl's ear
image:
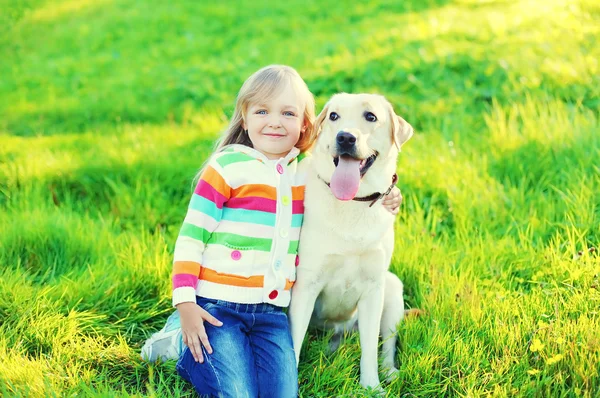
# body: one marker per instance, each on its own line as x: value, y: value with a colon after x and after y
x: 243, y: 114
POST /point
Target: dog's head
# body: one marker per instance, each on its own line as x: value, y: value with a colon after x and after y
x: 359, y: 137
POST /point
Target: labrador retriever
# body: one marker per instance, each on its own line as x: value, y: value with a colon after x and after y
x: 346, y: 243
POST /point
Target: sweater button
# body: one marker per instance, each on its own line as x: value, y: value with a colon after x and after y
x: 280, y: 169
x: 277, y: 264
x: 273, y: 295
x: 236, y: 255
x: 297, y: 260
x: 283, y: 233
x: 285, y: 200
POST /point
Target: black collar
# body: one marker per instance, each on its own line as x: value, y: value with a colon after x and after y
x: 374, y: 197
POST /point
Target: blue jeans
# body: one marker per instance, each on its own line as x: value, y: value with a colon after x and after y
x: 253, y: 355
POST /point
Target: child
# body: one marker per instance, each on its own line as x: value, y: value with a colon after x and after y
x: 235, y: 257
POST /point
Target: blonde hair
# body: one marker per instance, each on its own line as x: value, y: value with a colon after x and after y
x: 261, y: 86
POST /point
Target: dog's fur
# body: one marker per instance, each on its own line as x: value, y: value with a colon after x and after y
x: 346, y: 246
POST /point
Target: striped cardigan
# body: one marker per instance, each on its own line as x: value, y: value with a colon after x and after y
x: 239, y: 239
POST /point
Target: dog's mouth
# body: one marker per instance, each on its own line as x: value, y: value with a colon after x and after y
x: 348, y: 172
x: 363, y: 165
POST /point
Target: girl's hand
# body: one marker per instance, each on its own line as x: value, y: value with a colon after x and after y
x: 392, y: 201
x: 192, y: 328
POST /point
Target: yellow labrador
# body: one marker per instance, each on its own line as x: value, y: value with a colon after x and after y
x: 346, y: 242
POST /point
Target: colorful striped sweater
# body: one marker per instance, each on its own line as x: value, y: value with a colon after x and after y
x: 239, y: 239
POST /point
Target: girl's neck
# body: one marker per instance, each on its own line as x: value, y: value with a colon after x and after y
x: 294, y: 151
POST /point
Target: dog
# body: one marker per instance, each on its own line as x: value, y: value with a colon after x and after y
x: 346, y: 241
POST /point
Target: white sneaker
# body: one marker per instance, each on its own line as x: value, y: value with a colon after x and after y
x: 165, y: 344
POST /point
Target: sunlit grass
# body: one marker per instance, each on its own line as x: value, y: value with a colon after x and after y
x: 110, y: 108
x: 51, y: 11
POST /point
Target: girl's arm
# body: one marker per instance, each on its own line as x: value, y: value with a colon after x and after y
x: 203, y: 216
x: 392, y: 201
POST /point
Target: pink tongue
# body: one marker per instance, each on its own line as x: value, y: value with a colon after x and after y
x: 346, y: 178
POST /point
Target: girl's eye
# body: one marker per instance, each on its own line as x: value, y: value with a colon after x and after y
x: 370, y: 117
x: 333, y: 116
x: 288, y: 113
x: 261, y: 112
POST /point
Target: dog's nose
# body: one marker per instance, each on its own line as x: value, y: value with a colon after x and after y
x: 345, y: 141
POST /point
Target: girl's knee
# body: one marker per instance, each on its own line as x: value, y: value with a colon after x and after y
x: 285, y: 388
x: 217, y: 378
x: 283, y: 384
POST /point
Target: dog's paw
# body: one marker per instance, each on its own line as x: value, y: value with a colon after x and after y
x: 391, y: 374
x: 377, y: 391
x: 371, y: 383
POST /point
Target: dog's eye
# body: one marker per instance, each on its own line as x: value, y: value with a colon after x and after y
x: 333, y: 116
x: 370, y: 117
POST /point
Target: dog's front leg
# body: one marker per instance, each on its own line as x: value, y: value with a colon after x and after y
x: 370, y: 308
x: 304, y: 295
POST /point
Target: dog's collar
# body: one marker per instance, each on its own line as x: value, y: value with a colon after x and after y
x: 374, y: 197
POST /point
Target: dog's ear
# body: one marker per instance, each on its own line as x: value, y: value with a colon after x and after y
x: 320, y: 119
x: 401, y: 129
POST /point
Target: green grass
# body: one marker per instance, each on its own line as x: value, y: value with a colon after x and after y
x: 108, y: 108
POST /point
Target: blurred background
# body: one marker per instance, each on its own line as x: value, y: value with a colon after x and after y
x: 109, y: 107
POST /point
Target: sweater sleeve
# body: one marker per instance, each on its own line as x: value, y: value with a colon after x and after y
x: 203, y: 216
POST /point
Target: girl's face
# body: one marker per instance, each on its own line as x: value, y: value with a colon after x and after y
x: 274, y: 127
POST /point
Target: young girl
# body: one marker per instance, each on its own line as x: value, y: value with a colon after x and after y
x: 235, y: 257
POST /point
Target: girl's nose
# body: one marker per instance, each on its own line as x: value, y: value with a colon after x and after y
x: 274, y: 121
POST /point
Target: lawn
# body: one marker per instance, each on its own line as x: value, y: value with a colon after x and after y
x: 109, y: 107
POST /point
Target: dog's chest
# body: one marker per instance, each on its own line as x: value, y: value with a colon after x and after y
x: 345, y: 227
x: 347, y: 280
